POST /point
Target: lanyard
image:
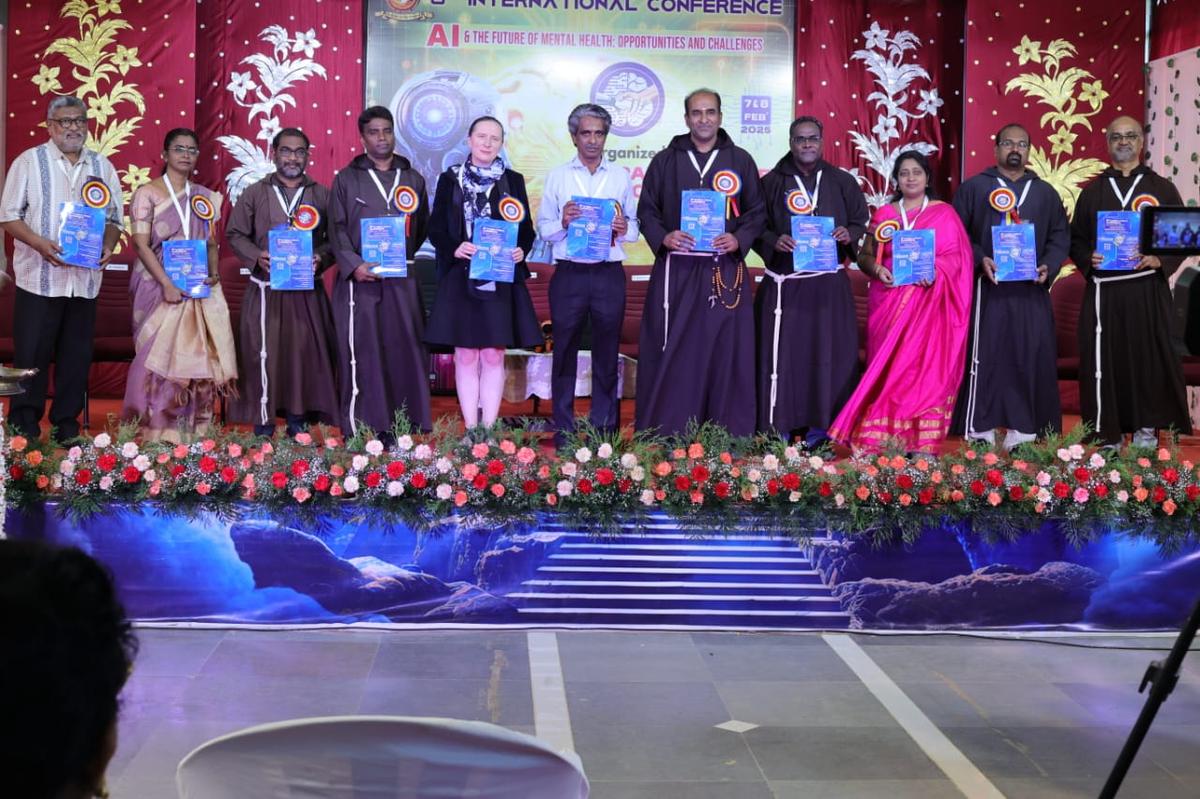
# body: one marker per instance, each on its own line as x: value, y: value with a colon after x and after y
x: 583, y: 189
x: 387, y: 197
x: 811, y: 198
x: 1122, y: 199
x: 904, y: 214
x: 185, y: 218
x: 707, y: 164
x: 1024, y: 192
x: 290, y: 209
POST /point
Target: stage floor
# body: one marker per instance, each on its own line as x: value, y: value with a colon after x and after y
x: 697, y: 715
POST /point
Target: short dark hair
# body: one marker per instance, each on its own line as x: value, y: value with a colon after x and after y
x: 1000, y: 132
x: 477, y: 120
x: 374, y: 112
x: 923, y: 162
x: 177, y: 133
x: 687, y: 101
x: 798, y: 121
x: 66, y: 648
x: 289, y: 132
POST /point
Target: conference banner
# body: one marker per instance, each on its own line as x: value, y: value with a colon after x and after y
x: 440, y: 64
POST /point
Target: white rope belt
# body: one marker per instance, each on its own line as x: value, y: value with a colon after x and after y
x: 1099, y: 360
x: 353, y: 365
x: 667, y: 293
x: 974, y: 380
x: 779, y: 281
x: 263, y: 285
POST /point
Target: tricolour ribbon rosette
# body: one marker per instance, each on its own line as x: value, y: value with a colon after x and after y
x: 1143, y: 201
x: 204, y: 210
x: 799, y: 203
x: 728, y: 183
x: 511, y: 209
x: 406, y: 199
x: 96, y: 194
x: 886, y: 229
x: 307, y: 217
x: 1004, y: 200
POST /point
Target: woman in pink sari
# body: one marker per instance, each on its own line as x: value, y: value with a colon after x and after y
x: 184, y: 352
x: 916, y: 334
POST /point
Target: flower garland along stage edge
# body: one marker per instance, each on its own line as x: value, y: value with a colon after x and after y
x: 697, y: 478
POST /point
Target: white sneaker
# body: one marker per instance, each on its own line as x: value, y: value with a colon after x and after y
x: 1145, y: 437
x: 986, y: 436
x: 1015, y: 438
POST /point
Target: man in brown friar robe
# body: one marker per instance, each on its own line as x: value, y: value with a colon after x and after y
x: 1130, y: 376
x: 380, y: 322
x: 696, y: 350
x: 287, y: 353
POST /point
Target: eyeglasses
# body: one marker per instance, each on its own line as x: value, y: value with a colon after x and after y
x: 1119, y: 137
x: 1009, y: 144
x: 288, y: 152
x: 77, y: 123
x: 806, y: 140
x: 179, y: 149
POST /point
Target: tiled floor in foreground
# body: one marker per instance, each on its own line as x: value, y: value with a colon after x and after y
x: 1038, y: 719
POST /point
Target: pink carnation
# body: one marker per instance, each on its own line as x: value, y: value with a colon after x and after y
x: 1081, y: 495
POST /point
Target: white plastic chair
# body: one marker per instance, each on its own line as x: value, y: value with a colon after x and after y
x: 378, y: 757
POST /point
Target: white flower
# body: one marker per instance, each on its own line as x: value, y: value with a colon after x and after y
x: 1122, y: 496
x: 583, y: 454
x: 101, y: 441
x: 604, y: 450
x: 754, y: 474
x: 792, y: 454
x: 1076, y: 451
x: 268, y: 127
x: 1114, y: 476
x: 106, y: 482
x: 239, y: 84
x: 647, y: 496
x: 770, y: 462
x: 628, y: 460
x: 637, y: 473
x: 129, y: 449
x: 876, y: 37
x: 56, y: 483
x: 358, y: 463
x: 839, y: 500
x: 306, y: 43
x: 1043, y: 495
x: 395, y: 488
x: 753, y: 491
x: 405, y: 443
x: 564, y: 488
x: 794, y: 496
x: 816, y: 461
x: 67, y: 467
x: 374, y: 447
x: 422, y: 452
x: 443, y: 465
x: 1064, y: 455
x: 829, y: 468
x: 885, y: 128
x: 75, y: 453
x: 1043, y: 479
x: 141, y: 463
x: 150, y: 476
x: 570, y: 469
x: 930, y: 102
x: 350, y: 484
x: 1096, y: 461
x: 443, y: 491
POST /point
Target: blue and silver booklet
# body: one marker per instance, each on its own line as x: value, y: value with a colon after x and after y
x: 1117, y: 234
x: 912, y: 256
x: 495, y: 240
x: 816, y: 248
x: 186, y: 263
x: 81, y: 234
x: 384, y: 245
x: 1015, y: 252
x: 589, y: 236
x: 702, y: 216
x: 291, y: 259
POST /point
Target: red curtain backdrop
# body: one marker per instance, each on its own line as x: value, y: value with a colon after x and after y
x: 1174, y: 27
x: 1062, y: 68
x: 882, y: 75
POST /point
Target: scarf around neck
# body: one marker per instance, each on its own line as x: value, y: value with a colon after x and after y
x: 477, y: 183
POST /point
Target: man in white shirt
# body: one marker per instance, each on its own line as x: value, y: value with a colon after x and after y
x: 587, y: 285
x: 54, y: 313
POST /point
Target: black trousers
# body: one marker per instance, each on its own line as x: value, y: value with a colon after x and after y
x: 579, y: 292
x: 58, y: 329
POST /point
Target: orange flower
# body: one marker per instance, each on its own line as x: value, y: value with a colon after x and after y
x: 1164, y: 454
x: 552, y: 499
x: 936, y: 477
x: 905, y: 500
x: 17, y: 443
x: 1140, y: 494
x: 42, y: 481
x: 460, y: 498
x: 882, y: 460
x: 1169, y: 507
x: 662, y: 468
x: 957, y: 468
x: 990, y: 458
x: 695, y: 450
x: 678, y: 452
x: 660, y: 494
x: 872, y: 471
x: 180, y: 452
x: 735, y: 472
x: 956, y: 495
x: 1136, y: 480
x: 899, y: 462
x: 993, y: 499
x: 34, y: 458
x: 862, y: 492
x: 726, y: 458
x: 922, y: 465
x: 697, y: 498
x: 337, y: 470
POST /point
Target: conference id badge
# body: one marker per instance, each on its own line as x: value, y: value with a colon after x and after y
x: 1117, y: 234
x: 186, y: 263
x: 816, y: 248
x: 913, y: 256
x: 291, y: 259
x: 494, y: 240
x: 1015, y: 252
x: 384, y: 245
x: 81, y: 234
x: 702, y: 216
x: 589, y: 236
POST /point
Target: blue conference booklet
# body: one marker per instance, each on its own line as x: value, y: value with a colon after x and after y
x: 291, y: 259
x: 912, y: 256
x: 383, y: 244
x: 816, y: 248
x: 495, y: 240
x: 186, y: 263
x: 1015, y: 252
x: 81, y: 234
x: 1117, y: 234
x: 589, y: 236
x: 702, y: 216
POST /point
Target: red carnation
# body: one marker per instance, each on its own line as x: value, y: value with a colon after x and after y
x: 418, y: 480
x: 904, y: 481
x: 229, y: 474
x: 585, y: 486
x: 495, y: 467
x: 925, y: 496
x: 605, y: 476
x: 299, y: 467
x: 1171, y: 475
x: 373, y: 479
x: 395, y: 470
x: 177, y: 471
x: 322, y: 482
x: 1061, y: 490
x: 16, y: 472
x: 977, y: 487
x: 699, y: 473
x: 1016, y: 493
x: 83, y: 477
x: 1193, y: 492
x: 131, y: 474
x: 824, y: 489
x: 682, y: 483
x: 1100, y: 491
x: 772, y: 487
x: 791, y: 481
x: 994, y: 477
x: 1159, y: 494
x: 279, y: 480
x: 529, y: 487
x: 624, y: 484
x: 480, y: 481
x: 885, y: 496
x: 1082, y: 474
x: 208, y: 465
x: 721, y: 489
x: 107, y: 462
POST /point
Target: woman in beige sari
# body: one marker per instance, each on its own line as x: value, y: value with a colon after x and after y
x: 184, y: 346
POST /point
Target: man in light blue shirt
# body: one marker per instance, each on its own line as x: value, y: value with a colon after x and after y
x: 587, y: 211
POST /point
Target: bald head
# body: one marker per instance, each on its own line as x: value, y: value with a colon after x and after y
x: 1124, y: 137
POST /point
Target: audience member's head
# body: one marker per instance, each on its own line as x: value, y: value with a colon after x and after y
x: 65, y: 652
